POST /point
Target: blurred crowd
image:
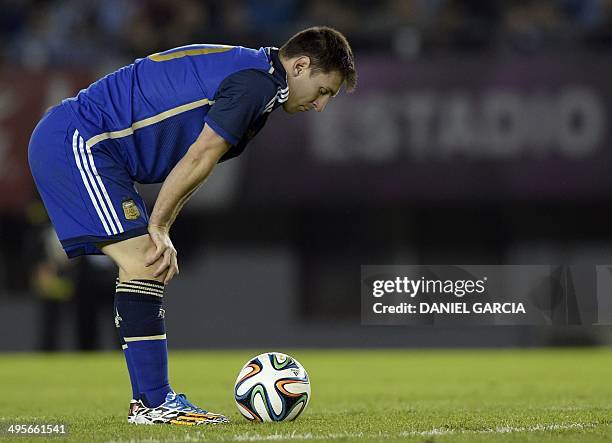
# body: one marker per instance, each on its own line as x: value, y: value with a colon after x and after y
x: 36, y: 33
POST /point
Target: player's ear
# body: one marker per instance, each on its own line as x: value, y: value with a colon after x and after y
x: 300, y: 65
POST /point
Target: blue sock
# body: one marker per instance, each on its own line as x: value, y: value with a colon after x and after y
x: 130, y: 366
x: 131, y: 370
x: 138, y: 308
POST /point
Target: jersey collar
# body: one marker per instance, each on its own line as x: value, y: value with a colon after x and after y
x: 278, y: 72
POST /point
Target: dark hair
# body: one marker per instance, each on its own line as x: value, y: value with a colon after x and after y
x: 328, y: 50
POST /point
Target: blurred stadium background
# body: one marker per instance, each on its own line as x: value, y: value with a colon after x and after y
x: 478, y: 135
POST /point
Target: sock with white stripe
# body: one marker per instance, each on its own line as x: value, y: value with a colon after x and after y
x: 138, y: 305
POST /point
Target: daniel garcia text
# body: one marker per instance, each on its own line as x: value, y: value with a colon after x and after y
x: 420, y: 286
x: 450, y: 308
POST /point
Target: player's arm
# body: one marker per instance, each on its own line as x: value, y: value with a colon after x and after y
x: 184, y: 179
x: 240, y: 99
x: 187, y: 176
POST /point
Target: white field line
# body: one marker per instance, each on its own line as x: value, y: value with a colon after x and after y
x: 254, y: 436
x: 251, y: 436
x: 500, y: 429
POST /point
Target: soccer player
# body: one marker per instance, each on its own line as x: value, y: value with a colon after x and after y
x: 169, y: 117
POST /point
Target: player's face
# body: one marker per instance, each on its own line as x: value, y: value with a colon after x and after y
x: 311, y: 90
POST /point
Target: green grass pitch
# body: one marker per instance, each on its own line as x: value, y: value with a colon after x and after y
x: 370, y: 395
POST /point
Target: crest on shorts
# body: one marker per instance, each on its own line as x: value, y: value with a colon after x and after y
x: 130, y: 210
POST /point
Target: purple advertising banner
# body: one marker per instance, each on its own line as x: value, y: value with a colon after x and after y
x: 528, y: 128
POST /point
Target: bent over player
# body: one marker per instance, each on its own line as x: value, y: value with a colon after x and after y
x: 169, y: 117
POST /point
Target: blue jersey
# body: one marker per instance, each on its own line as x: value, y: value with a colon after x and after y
x: 135, y: 124
x: 147, y: 114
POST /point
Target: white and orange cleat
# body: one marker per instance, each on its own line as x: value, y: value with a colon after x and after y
x: 176, y: 410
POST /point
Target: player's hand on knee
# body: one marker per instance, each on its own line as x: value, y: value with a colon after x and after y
x: 164, y: 251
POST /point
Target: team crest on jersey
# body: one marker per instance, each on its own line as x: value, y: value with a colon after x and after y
x: 130, y: 210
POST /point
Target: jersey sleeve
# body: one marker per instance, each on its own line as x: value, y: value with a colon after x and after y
x: 240, y: 99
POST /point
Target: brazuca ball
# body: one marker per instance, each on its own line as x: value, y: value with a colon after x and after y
x: 272, y: 387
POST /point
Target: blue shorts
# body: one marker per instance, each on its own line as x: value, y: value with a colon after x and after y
x: 88, y: 192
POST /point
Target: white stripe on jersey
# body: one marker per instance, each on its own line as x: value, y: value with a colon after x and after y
x: 93, y: 184
x: 148, y: 122
x: 99, y: 179
x: 75, y: 140
x: 270, y: 105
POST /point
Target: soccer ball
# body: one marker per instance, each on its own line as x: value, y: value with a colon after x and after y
x: 272, y: 387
